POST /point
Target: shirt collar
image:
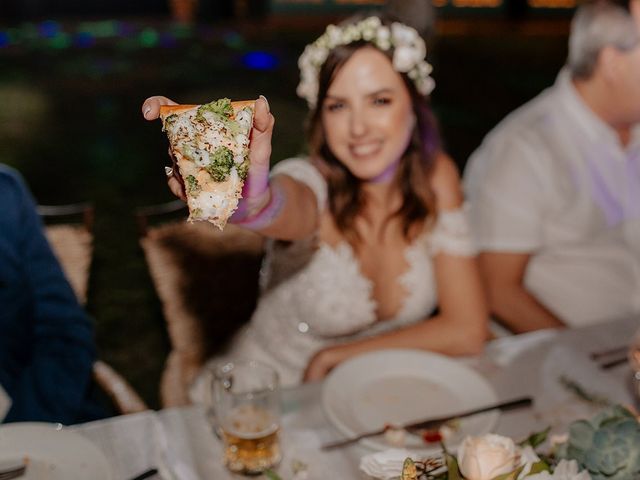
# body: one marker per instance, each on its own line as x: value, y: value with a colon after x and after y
x: 594, y: 127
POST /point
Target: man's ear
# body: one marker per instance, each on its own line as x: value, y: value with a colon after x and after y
x: 609, y: 66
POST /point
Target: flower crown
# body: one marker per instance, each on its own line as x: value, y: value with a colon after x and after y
x: 408, y: 54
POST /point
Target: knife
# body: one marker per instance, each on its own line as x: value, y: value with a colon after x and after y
x: 434, y: 423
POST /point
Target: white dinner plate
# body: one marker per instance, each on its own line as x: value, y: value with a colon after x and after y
x: 52, y: 452
x: 398, y: 386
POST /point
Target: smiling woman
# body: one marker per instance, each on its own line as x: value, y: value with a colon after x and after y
x: 369, y: 234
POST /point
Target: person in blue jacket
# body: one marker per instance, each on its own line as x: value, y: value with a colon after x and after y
x: 46, y: 340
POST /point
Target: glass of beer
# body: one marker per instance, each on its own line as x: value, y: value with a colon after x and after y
x: 247, y: 410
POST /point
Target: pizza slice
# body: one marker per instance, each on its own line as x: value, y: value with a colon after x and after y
x: 210, y: 143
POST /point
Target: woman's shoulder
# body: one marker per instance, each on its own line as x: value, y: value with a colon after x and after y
x: 445, y: 182
x: 305, y: 171
x: 296, y: 166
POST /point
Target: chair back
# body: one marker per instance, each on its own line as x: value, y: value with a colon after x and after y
x: 207, y: 283
x: 69, y: 231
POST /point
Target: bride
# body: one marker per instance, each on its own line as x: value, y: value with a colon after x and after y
x: 370, y: 247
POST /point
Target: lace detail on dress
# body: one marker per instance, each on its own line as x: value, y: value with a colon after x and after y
x: 419, y: 301
x: 335, y: 296
x: 302, y: 170
x: 452, y: 234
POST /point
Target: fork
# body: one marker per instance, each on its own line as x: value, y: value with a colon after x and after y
x: 14, y: 472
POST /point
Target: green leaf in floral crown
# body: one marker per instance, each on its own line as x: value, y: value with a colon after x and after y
x: 409, y: 470
x: 511, y: 475
x: 536, y: 438
x: 452, y: 467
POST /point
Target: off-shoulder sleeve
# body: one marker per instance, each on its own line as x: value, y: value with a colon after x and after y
x: 304, y: 171
x: 451, y: 234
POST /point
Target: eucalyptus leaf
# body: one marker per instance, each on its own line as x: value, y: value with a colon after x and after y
x: 538, y: 467
x: 452, y: 467
x: 271, y: 475
x: 511, y: 475
x: 536, y: 438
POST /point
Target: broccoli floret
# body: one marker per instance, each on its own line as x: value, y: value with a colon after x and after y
x: 220, y: 107
x: 221, y: 164
x: 169, y: 120
x: 192, y: 185
x: 243, y: 169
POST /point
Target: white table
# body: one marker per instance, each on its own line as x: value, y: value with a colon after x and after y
x: 180, y: 441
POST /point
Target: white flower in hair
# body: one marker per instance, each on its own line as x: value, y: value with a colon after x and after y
x: 403, y: 58
x: 333, y: 34
x: 383, y: 38
x: 409, y: 52
x: 403, y: 34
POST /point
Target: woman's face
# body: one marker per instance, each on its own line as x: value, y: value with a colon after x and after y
x: 367, y: 115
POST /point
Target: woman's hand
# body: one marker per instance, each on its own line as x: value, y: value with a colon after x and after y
x: 151, y: 111
x: 256, y: 185
x: 322, y: 363
x: 151, y: 106
x: 255, y: 192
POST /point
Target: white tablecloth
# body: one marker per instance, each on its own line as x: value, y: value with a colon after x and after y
x: 180, y: 442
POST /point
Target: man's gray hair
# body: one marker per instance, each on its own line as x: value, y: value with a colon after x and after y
x: 596, y: 25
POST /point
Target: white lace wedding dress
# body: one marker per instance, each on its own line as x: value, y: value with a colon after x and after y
x: 314, y: 295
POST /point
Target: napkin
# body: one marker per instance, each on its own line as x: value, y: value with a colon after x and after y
x: 5, y: 403
x: 384, y: 465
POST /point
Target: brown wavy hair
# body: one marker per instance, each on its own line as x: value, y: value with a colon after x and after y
x: 346, y: 196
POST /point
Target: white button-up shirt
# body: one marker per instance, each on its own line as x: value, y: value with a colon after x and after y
x: 553, y: 180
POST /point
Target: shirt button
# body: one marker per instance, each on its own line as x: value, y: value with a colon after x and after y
x: 303, y: 327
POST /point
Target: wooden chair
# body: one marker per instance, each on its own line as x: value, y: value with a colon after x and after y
x: 207, y: 283
x: 69, y: 231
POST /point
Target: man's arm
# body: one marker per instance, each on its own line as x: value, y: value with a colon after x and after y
x: 519, y: 310
x: 52, y: 384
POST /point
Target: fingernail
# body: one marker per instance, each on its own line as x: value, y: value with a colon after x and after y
x: 266, y: 101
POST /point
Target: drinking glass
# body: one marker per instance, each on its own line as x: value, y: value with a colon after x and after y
x: 247, y: 410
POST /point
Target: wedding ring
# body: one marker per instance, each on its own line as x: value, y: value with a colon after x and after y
x: 168, y: 171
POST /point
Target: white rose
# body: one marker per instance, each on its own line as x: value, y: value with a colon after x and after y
x: 486, y: 457
x: 565, y: 470
x: 527, y: 458
x: 368, y: 34
x: 383, y: 36
x: 402, y: 33
x: 333, y: 33
x: 403, y: 58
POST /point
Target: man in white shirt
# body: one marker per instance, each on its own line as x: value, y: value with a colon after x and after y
x: 555, y: 187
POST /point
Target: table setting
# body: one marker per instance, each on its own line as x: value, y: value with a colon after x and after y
x: 532, y: 386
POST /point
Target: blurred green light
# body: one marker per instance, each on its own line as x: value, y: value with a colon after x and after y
x: 60, y: 41
x: 148, y: 37
x: 180, y: 30
x: 234, y: 40
x: 14, y: 35
x: 101, y: 29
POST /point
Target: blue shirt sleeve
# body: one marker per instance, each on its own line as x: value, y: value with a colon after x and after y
x: 46, y: 339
